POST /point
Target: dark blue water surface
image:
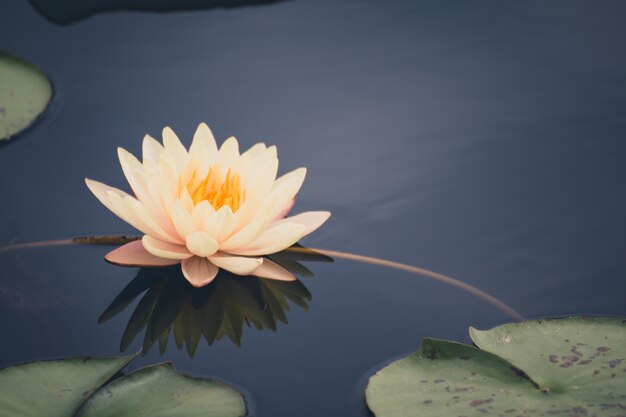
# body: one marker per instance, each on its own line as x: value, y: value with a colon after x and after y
x: 484, y: 141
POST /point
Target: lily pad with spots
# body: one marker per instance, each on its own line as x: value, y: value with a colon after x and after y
x: 93, y: 387
x: 25, y: 92
x: 572, y: 367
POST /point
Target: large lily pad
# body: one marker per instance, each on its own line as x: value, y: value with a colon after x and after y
x: 54, y: 388
x: 565, y: 355
x: 535, y: 374
x: 159, y: 391
x: 86, y: 387
x: 25, y: 92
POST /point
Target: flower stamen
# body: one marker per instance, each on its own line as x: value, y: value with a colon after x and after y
x: 217, y: 191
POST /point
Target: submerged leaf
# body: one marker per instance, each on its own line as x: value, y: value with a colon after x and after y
x: 70, y: 11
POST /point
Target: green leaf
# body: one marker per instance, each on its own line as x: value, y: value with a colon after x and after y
x: 54, y: 388
x: 25, y: 92
x: 451, y: 379
x: 560, y: 354
x: 159, y: 391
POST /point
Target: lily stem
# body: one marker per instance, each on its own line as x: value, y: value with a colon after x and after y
x: 120, y: 240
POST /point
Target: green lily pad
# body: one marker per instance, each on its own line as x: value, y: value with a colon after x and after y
x: 25, y: 92
x: 524, y: 369
x: 563, y: 354
x: 159, y: 391
x: 54, y: 388
x: 86, y: 387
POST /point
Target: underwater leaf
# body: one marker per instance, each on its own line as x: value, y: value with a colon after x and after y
x: 452, y: 379
x: 159, y: 391
x: 54, y: 388
x: 211, y: 319
x: 25, y: 92
x: 70, y: 11
x: 146, y: 277
x: 141, y: 315
x: 298, y: 252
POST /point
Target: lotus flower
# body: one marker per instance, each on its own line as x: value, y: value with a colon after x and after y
x: 207, y: 208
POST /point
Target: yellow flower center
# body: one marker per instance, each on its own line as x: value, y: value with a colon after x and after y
x: 216, y: 190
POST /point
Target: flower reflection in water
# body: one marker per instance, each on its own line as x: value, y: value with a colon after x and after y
x: 171, y: 306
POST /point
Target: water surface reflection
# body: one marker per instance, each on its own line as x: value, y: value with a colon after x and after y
x: 169, y: 305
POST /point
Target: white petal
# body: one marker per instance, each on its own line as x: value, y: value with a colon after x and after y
x: 228, y: 154
x: 175, y: 149
x: 284, y: 190
x: 134, y: 254
x: 186, y: 199
x: 183, y: 222
x: 220, y: 225
x: 285, y: 210
x: 151, y: 150
x: 257, y: 190
x: 199, y: 271
x: 261, y: 177
x: 272, y: 270
x: 202, y: 213
x: 128, y: 209
x: 139, y: 182
x: 244, y: 236
x: 164, y: 249
x: 297, y: 175
x: 274, y: 239
x: 203, y: 149
x: 201, y: 244
x: 235, y: 264
x: 311, y: 219
x: 167, y: 183
x: 101, y: 192
x: 138, y: 216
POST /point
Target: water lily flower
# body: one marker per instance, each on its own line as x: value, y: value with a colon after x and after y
x: 207, y: 208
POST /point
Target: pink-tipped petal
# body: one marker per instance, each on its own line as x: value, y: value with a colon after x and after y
x: 175, y: 149
x: 283, y: 191
x: 275, y: 238
x: 134, y: 254
x: 311, y: 219
x: 228, y: 153
x: 164, y: 249
x: 285, y: 210
x: 199, y: 271
x: 244, y: 236
x: 272, y: 270
x: 151, y: 150
x: 203, y: 149
x: 221, y: 225
x: 238, y: 265
x: 201, y: 244
x: 183, y: 222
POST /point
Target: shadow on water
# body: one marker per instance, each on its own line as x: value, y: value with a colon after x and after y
x: 64, y: 12
x: 170, y: 306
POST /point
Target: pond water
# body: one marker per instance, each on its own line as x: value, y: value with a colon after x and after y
x: 485, y: 142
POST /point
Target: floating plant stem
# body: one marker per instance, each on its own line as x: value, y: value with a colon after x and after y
x: 119, y: 240
x: 419, y: 271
